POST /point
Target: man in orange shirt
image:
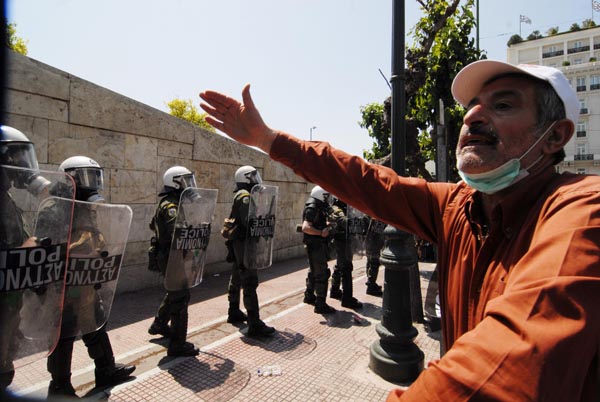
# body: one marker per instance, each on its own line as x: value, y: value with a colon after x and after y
x: 519, y: 265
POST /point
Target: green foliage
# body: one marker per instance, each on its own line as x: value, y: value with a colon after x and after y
x: 373, y: 120
x: 589, y: 23
x: 534, y: 35
x: 514, y: 39
x: 185, y: 109
x: 442, y: 46
x: 575, y: 27
x: 566, y: 63
x: 14, y: 42
x: 552, y: 31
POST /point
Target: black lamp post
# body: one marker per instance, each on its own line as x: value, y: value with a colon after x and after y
x: 395, y: 357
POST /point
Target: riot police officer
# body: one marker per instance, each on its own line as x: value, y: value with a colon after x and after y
x: 242, y: 278
x: 373, y: 245
x: 15, y: 150
x: 89, y: 180
x: 174, y: 307
x: 342, y: 272
x: 316, y: 229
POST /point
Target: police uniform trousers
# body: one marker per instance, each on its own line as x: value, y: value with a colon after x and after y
x: 342, y: 274
x: 244, y: 280
x: 316, y: 249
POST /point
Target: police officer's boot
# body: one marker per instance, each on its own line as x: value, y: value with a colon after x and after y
x: 234, y: 314
x: 347, y: 299
x: 6, y: 379
x: 335, y: 292
x: 160, y: 325
x: 107, y: 371
x: 321, y: 307
x: 373, y: 288
x: 309, y: 293
x: 178, y: 346
x: 59, y: 367
x: 256, y: 327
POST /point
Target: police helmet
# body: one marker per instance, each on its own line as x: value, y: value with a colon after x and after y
x: 179, y: 178
x: 16, y: 149
x: 86, y: 172
x: 247, y: 175
x: 321, y: 194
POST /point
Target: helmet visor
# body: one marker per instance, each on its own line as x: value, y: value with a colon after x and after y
x: 19, y: 154
x: 253, y: 177
x: 185, y: 180
x: 88, y: 178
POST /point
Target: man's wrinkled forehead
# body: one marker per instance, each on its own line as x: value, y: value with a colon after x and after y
x: 516, y: 86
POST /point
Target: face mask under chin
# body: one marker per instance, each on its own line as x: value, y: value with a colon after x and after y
x: 503, y: 176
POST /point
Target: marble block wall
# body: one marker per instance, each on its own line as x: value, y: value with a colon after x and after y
x: 65, y: 116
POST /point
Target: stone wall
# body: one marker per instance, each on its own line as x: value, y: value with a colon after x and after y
x: 65, y: 116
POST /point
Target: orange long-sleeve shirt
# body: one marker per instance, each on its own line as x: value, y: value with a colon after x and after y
x: 520, y: 299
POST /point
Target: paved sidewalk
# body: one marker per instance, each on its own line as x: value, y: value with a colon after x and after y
x: 314, y: 357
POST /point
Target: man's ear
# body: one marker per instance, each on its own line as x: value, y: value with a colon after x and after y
x: 559, y: 136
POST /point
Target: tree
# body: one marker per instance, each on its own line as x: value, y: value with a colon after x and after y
x: 575, y: 27
x: 514, y: 39
x: 552, y: 31
x: 589, y: 23
x: 442, y: 47
x: 373, y: 119
x: 185, y: 109
x: 13, y: 41
x: 534, y: 35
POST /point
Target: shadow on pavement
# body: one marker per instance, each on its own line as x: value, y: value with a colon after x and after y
x: 131, y: 307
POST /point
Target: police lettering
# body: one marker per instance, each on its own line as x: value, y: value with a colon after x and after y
x: 26, y: 268
x: 377, y: 226
x: 262, y: 226
x: 356, y: 226
x: 90, y: 271
x: 192, y: 238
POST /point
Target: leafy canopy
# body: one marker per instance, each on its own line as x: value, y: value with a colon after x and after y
x: 185, y: 109
x: 13, y: 41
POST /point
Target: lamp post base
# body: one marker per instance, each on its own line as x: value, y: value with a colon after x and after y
x: 396, y: 362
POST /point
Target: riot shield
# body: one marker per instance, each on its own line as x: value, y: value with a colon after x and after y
x: 98, y: 239
x: 190, y: 238
x: 258, y: 247
x: 35, y: 224
x: 357, y: 230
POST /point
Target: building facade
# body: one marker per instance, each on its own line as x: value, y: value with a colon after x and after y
x: 575, y: 54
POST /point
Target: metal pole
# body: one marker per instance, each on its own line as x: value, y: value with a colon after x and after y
x: 395, y: 357
x: 311, y: 130
x: 477, y: 17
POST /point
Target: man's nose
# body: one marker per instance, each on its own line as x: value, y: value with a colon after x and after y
x: 475, y: 115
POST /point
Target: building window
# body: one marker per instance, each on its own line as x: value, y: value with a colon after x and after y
x: 595, y: 82
x: 581, y: 131
x: 577, y: 61
x: 580, y: 170
x: 580, y: 84
x: 582, y: 107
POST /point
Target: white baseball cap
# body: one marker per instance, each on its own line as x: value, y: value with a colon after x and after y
x: 471, y: 79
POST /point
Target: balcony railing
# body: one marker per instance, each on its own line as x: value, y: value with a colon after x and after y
x: 578, y: 49
x: 594, y: 86
x: 584, y: 157
x: 553, y: 54
x: 583, y: 110
x: 580, y: 88
x: 581, y: 133
x: 597, y: 46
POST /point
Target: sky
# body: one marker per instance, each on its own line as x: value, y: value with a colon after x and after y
x: 310, y: 63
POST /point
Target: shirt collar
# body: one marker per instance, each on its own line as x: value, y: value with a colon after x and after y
x: 510, y: 209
